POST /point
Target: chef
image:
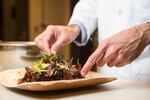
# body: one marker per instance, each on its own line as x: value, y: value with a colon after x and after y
x: 123, y: 33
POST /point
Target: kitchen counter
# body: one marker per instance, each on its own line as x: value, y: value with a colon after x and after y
x: 116, y: 90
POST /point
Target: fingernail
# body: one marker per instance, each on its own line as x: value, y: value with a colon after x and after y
x: 83, y: 73
x: 54, y: 52
x: 49, y: 51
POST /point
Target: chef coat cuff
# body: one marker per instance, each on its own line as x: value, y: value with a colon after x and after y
x: 82, y: 38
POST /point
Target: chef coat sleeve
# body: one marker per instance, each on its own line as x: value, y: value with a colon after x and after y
x: 85, y: 16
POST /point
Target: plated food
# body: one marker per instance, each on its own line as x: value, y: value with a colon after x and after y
x: 49, y: 68
x: 52, y: 72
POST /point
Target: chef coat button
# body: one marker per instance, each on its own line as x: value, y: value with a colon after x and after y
x: 119, y: 12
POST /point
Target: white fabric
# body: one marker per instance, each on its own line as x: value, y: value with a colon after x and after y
x: 112, y: 16
x: 86, y: 12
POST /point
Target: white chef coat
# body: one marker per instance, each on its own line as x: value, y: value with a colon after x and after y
x: 110, y: 17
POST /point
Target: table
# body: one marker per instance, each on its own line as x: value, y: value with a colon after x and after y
x: 117, y: 90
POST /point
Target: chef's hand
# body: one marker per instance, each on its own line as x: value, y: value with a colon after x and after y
x: 55, y: 37
x: 120, y: 49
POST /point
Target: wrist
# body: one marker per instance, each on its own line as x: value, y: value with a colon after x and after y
x: 75, y: 29
x: 145, y: 30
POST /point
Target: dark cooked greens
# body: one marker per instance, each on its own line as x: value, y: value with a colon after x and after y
x: 51, y: 67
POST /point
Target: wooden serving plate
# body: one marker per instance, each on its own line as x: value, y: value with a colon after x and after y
x: 9, y: 78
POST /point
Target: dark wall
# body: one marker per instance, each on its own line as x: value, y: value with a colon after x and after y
x: 14, y: 24
x: 1, y: 21
x: 22, y: 20
x: 73, y: 3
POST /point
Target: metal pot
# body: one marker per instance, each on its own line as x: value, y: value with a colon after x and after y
x: 15, y: 54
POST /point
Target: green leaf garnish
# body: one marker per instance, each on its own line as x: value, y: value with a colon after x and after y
x: 41, y: 65
x: 38, y: 67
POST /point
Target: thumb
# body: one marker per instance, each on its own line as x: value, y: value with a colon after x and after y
x: 56, y: 46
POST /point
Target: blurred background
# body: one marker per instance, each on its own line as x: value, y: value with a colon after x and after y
x: 23, y: 20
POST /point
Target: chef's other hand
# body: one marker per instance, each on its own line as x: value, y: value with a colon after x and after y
x: 120, y: 49
x: 55, y: 37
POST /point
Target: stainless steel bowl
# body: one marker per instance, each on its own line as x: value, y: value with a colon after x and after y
x: 15, y: 54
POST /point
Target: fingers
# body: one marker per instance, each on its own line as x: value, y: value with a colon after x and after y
x: 110, y: 54
x: 42, y: 41
x: 106, y: 59
x: 54, y: 37
x: 120, y: 61
x: 39, y: 42
x: 101, y: 61
x: 120, y: 64
x: 106, y: 53
x: 93, y: 59
x: 47, y: 40
x: 57, y: 46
